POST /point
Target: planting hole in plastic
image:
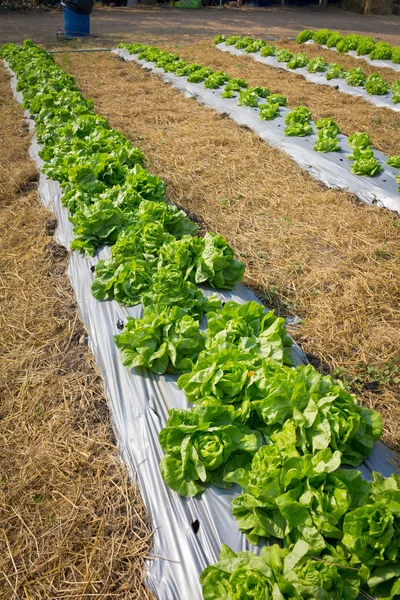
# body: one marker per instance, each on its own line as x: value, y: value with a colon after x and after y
x: 195, y: 526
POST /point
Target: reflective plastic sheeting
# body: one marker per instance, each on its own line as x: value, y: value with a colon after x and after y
x: 384, y: 101
x: 332, y: 169
x: 139, y: 402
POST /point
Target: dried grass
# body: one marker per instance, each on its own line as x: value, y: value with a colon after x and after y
x: 351, y: 113
x: 378, y: 7
x: 356, y: 6
x: 311, y: 251
x: 72, y: 526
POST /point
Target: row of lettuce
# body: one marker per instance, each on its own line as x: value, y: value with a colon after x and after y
x: 282, y: 433
x: 363, y: 45
x: 298, y: 121
x: 375, y: 84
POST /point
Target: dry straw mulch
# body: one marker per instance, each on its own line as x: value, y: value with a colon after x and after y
x: 71, y: 524
x: 350, y: 112
x: 309, y: 251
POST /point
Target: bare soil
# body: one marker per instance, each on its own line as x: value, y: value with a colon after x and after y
x: 109, y: 24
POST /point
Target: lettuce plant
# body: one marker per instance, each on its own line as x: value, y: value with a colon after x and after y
x: 262, y: 91
x: 321, y: 412
x: 316, y: 65
x: 394, y: 161
x: 220, y: 372
x: 360, y: 139
x: 395, y: 92
x: 268, y: 111
x: 268, y: 50
x: 173, y: 219
x: 297, y: 122
x: 123, y: 281
x: 283, y: 55
x: 365, y: 45
x: 202, y: 446
x: 335, y: 71
x: 366, y: 166
x: 182, y: 253
x: 304, y: 36
x: 280, y: 573
x: 396, y: 54
x: 292, y: 496
x: 217, y: 265
x: 97, y: 225
x: 333, y: 39
x: 327, y: 131
x: 326, y: 143
x: 231, y: 40
x: 348, y: 42
x: 384, y: 581
x: 355, y: 77
x: 255, y: 46
x: 297, y: 61
x: 234, y: 85
x: 375, y: 84
x: 204, y: 260
x: 169, y: 288
x: 321, y: 36
x: 216, y: 80
x: 166, y: 338
x: 328, y: 125
x: 199, y: 75
x: 243, y: 42
x: 141, y: 240
x: 219, y: 39
x: 278, y: 99
x: 248, y: 97
x: 382, y: 51
x: 248, y: 326
x: 371, y: 534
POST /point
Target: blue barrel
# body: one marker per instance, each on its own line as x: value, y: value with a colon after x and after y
x: 75, y: 24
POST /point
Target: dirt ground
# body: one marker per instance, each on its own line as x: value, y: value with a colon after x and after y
x: 273, y: 21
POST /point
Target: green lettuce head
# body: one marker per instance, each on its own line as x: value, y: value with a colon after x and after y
x: 245, y: 576
x: 280, y: 574
x: 182, y: 253
x: 291, y: 497
x: 220, y: 372
x: 248, y: 583
x: 217, y: 264
x: 371, y: 534
x: 169, y: 288
x: 164, y: 339
x: 202, y: 446
x: 322, y: 412
x: 251, y: 328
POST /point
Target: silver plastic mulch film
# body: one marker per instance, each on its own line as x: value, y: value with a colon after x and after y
x: 375, y: 63
x: 332, y: 169
x: 139, y: 405
x: 384, y: 101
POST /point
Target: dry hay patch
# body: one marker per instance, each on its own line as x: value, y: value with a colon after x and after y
x: 72, y: 526
x: 311, y: 251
